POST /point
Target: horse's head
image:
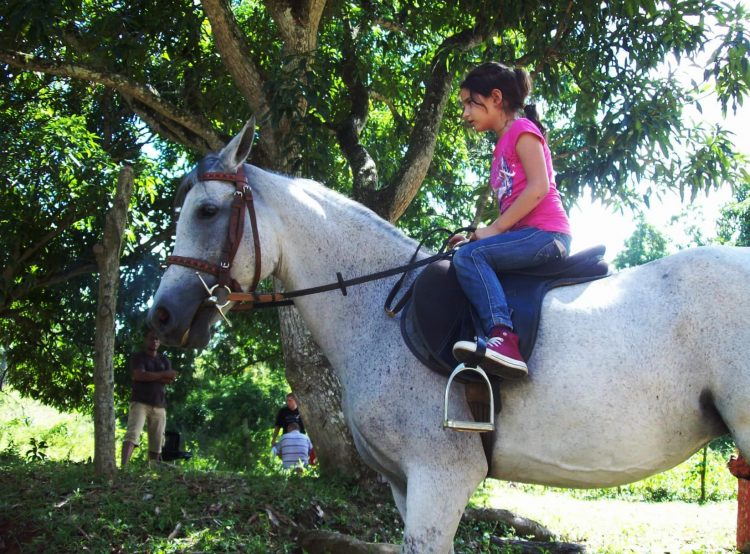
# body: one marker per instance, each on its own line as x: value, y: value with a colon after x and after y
x: 216, y: 245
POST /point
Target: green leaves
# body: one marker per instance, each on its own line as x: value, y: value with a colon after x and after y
x: 605, y: 74
x: 728, y: 64
x: 646, y: 244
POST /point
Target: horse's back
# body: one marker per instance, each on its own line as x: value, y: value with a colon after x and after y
x: 632, y: 373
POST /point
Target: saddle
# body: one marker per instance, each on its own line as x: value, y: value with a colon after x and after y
x: 438, y: 314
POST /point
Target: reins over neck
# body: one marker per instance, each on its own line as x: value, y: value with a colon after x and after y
x: 251, y: 300
x: 243, y: 200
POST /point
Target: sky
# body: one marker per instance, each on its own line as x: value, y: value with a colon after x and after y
x: 593, y: 224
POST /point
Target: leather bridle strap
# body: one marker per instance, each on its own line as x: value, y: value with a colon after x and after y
x: 252, y: 300
x: 242, y: 200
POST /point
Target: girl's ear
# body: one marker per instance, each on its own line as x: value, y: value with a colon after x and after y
x: 497, y: 97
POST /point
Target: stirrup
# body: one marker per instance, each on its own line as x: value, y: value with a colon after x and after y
x: 469, y: 426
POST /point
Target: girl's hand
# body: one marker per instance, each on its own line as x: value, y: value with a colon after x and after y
x: 483, y: 233
x: 455, y: 239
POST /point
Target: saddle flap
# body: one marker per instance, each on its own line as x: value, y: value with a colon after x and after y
x: 440, y: 304
x: 438, y: 313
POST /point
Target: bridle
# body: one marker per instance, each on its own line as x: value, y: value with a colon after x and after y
x: 242, y: 200
x: 231, y: 291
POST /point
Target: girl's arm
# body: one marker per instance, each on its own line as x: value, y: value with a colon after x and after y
x: 530, y: 151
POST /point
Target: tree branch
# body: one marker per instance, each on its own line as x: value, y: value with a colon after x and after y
x: 190, y: 124
x: 83, y: 268
x: 391, y: 201
x: 248, y: 77
x: 481, y: 206
x: 233, y: 49
x: 167, y: 128
x: 364, y: 170
x: 298, y: 23
x: 401, y: 123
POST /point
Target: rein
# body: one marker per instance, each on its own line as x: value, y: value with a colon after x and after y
x: 244, y: 301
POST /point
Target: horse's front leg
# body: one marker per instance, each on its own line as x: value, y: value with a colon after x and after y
x: 435, y: 502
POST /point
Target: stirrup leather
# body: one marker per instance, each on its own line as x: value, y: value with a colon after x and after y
x: 469, y: 426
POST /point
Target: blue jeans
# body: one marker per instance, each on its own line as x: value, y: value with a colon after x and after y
x: 478, y: 263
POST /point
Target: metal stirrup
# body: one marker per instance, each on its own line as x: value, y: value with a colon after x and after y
x: 469, y: 426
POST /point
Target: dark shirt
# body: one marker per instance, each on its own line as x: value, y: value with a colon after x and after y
x: 151, y: 393
x: 287, y: 416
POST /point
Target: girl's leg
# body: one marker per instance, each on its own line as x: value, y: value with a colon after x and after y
x: 478, y: 263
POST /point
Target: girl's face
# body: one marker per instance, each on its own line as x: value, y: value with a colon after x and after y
x: 483, y: 113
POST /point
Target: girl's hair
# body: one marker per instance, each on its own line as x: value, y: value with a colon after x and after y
x: 515, y: 84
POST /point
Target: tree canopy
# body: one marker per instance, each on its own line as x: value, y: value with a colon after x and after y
x: 646, y: 244
x: 360, y: 95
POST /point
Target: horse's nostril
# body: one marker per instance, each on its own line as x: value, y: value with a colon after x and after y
x: 162, y: 314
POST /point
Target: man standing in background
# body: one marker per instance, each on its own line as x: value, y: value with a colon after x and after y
x: 288, y: 414
x: 150, y: 372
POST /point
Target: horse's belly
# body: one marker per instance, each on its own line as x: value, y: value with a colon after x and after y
x: 595, y: 442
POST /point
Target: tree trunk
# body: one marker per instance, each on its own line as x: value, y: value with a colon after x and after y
x: 522, y: 527
x: 331, y: 542
x: 319, y: 394
x: 108, y: 259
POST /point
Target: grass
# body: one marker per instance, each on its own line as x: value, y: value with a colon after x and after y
x: 59, y: 507
x: 614, y: 526
x: 52, y: 502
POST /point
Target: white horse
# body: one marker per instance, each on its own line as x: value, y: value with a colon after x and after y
x: 630, y: 375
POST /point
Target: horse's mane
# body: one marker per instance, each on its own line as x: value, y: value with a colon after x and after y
x: 355, y: 212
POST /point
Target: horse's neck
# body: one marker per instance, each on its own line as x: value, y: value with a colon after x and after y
x: 321, y: 233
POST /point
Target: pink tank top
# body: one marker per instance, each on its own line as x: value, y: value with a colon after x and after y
x: 508, y: 179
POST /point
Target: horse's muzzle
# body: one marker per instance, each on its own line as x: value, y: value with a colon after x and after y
x: 177, y: 324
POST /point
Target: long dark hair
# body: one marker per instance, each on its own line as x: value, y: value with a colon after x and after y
x: 515, y: 84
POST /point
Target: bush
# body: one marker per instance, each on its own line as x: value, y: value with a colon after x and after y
x: 229, y: 418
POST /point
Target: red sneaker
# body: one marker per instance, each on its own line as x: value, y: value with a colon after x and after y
x: 502, y: 358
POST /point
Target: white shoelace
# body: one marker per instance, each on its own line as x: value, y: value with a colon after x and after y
x: 495, y: 341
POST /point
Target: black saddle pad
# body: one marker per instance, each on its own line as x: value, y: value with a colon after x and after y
x: 438, y: 313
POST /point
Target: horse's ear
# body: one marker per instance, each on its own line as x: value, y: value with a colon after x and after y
x: 238, y: 149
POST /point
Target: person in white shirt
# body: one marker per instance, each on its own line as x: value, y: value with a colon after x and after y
x: 294, y: 448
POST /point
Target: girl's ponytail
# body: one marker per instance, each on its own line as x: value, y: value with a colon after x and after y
x: 529, y: 110
x: 523, y: 82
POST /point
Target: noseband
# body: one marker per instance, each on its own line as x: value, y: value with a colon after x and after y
x: 242, y: 200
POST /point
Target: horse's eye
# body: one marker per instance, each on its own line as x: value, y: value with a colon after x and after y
x: 207, y: 211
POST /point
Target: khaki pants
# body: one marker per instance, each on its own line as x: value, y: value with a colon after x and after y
x: 156, y: 418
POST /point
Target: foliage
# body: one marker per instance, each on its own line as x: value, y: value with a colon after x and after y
x: 56, y: 506
x: 225, y: 418
x: 28, y: 423
x: 37, y: 452
x: 56, y: 176
x: 646, y: 244
x: 734, y: 224
x: 228, y: 417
